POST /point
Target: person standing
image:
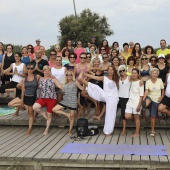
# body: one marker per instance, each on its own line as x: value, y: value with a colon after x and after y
x: 109, y: 95
x: 47, y: 97
x: 78, y: 50
x: 37, y: 47
x: 133, y: 105
x: 163, y: 50
x: 39, y: 63
x: 7, y: 60
x: 28, y: 96
x: 69, y: 100
x: 124, y: 86
x: 154, y: 93
x: 125, y: 53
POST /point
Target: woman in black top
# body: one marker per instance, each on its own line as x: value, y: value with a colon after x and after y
x: 72, y: 58
x: 163, y: 68
x: 7, y: 60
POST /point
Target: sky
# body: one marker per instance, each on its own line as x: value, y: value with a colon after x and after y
x: 143, y: 21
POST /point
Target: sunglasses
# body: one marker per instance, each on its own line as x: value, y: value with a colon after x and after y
x: 83, y: 58
x: 161, y: 58
x: 104, y: 57
x: 52, y: 54
x: 121, y: 71
x: 58, y: 60
x: 71, y: 57
x: 88, y: 56
x: 144, y: 58
x: 102, y: 49
x: 30, y: 48
x: 68, y: 74
x: 30, y: 68
x: 153, y: 60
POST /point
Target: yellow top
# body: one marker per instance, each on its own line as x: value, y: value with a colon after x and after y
x: 165, y: 52
x: 128, y: 73
x: 126, y: 56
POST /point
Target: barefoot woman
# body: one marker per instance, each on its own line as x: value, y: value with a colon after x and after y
x: 109, y: 95
x: 28, y: 97
x: 69, y: 98
x: 47, y: 97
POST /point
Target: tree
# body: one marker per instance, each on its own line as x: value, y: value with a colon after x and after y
x: 86, y: 25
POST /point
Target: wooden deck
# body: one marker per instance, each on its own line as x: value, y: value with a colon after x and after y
x: 37, y: 152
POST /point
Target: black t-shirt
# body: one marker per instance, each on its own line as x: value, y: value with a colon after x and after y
x: 41, y: 64
x: 69, y: 67
x: 8, y: 60
x: 163, y: 72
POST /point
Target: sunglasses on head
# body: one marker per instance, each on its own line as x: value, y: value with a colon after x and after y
x: 68, y: 74
x: 144, y: 58
x: 30, y: 68
x: 121, y: 71
x: 71, y: 57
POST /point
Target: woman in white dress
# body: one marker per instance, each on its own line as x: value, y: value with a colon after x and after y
x: 109, y: 95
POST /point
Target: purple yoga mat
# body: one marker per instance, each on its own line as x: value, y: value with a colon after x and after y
x: 109, y: 149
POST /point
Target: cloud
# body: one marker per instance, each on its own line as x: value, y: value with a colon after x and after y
x: 141, y: 21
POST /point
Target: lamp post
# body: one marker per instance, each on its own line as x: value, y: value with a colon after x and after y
x: 75, y: 9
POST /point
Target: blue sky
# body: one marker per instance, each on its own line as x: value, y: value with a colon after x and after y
x: 23, y: 21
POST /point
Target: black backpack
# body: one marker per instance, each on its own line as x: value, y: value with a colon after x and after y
x: 83, y: 130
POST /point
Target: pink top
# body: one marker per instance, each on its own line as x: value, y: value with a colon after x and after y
x: 79, y: 70
x: 59, y: 54
x: 36, y: 48
x: 31, y: 55
x: 51, y: 64
x: 78, y: 52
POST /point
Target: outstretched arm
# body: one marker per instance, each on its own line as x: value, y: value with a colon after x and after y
x: 81, y: 87
x: 99, y: 78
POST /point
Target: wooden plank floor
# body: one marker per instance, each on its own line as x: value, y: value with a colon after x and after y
x: 62, y: 121
x: 42, y: 152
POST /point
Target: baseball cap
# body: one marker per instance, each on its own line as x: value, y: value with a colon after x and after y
x: 38, y: 40
x: 161, y: 56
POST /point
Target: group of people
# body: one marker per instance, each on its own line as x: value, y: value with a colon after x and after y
x: 72, y: 76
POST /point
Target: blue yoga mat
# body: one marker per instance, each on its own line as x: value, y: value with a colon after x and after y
x: 5, y: 110
x: 109, y: 149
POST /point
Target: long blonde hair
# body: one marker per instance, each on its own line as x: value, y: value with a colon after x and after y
x: 69, y: 71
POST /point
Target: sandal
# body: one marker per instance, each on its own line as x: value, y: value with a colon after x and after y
x: 152, y: 134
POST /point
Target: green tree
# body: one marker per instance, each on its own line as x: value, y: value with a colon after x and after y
x: 86, y: 25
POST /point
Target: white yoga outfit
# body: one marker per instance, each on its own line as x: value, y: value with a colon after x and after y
x: 109, y: 95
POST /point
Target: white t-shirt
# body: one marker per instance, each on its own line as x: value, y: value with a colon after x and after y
x: 154, y: 89
x: 167, y: 92
x: 59, y: 74
x: 20, y: 70
x: 136, y: 91
x: 124, y: 87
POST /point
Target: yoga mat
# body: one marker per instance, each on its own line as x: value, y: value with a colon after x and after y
x: 5, y: 110
x: 109, y: 149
